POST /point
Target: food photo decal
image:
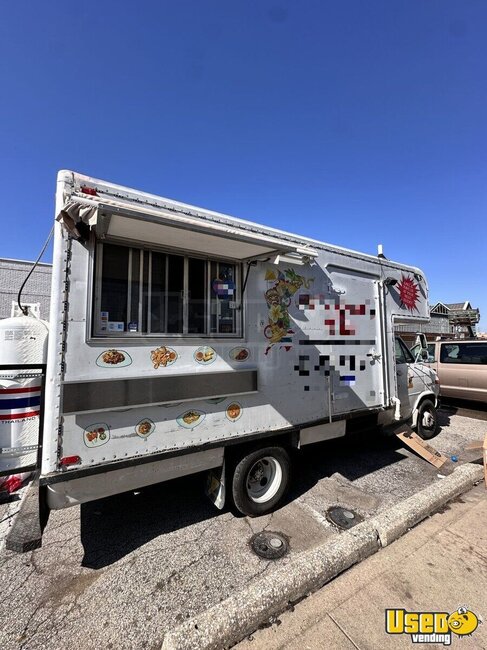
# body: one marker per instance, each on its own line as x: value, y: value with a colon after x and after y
x: 239, y: 354
x: 144, y: 428
x: 282, y: 285
x: 234, y: 411
x: 96, y: 435
x: 111, y: 358
x: 163, y: 356
x: 191, y: 419
x: 205, y: 355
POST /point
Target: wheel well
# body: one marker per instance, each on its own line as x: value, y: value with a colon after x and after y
x: 288, y: 441
x: 430, y: 397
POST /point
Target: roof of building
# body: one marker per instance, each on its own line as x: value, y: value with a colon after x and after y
x: 458, y: 305
x: 15, y: 261
x: 439, y: 308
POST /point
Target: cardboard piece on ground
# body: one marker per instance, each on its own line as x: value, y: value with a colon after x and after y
x: 421, y: 447
x: 478, y: 444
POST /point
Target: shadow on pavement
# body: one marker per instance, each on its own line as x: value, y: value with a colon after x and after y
x: 444, y: 417
x: 353, y: 456
x: 466, y: 408
x: 114, y: 527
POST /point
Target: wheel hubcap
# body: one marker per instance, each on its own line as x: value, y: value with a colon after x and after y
x: 264, y: 479
x: 428, y: 420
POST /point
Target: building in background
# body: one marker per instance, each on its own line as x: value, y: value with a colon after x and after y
x: 463, y: 318
x: 36, y: 293
x: 456, y: 320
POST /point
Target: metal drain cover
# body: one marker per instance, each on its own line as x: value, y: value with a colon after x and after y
x: 268, y: 545
x: 343, y: 517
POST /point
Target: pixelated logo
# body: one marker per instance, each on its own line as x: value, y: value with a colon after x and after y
x: 432, y: 627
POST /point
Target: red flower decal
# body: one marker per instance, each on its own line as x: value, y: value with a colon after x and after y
x: 408, y: 293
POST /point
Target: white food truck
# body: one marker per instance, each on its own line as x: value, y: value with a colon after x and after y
x: 184, y: 340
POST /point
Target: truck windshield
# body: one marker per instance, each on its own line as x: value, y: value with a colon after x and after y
x: 403, y: 355
x: 416, y: 351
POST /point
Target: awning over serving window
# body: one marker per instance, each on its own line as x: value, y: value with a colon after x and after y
x: 175, y: 230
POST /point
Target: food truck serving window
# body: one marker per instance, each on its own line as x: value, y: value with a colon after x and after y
x: 148, y: 292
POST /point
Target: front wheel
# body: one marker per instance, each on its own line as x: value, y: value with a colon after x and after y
x: 260, y: 480
x: 427, y: 422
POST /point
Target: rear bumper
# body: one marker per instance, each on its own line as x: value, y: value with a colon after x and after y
x: 71, y: 492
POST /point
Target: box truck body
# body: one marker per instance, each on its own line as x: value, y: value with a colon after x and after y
x: 184, y: 340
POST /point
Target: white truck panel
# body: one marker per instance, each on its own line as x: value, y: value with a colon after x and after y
x: 317, y: 331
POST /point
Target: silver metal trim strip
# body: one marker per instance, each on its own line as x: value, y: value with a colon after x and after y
x: 185, y: 295
x: 108, y: 394
x: 141, y: 289
x: 149, y: 293
x: 129, y: 291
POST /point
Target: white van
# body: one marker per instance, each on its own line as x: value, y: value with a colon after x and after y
x: 461, y: 366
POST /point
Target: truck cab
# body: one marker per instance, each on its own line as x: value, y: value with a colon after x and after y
x: 418, y: 388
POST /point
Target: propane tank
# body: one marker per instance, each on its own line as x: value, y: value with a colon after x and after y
x: 23, y: 340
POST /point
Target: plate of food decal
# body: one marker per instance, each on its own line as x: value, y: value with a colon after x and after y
x: 163, y: 356
x: 114, y: 359
x: 191, y: 419
x: 239, y: 354
x: 144, y: 428
x: 234, y: 411
x: 96, y: 435
x: 205, y: 355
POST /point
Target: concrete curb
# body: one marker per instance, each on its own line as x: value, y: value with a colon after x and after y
x: 398, y: 520
x: 231, y: 620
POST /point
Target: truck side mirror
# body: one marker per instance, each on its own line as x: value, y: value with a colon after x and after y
x: 421, y: 345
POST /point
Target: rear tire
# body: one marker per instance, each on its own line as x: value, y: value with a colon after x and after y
x: 260, y: 480
x: 427, y: 422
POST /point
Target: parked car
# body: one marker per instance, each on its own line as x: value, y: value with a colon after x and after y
x: 461, y: 367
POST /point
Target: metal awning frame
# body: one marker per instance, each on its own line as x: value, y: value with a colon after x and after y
x: 100, y: 215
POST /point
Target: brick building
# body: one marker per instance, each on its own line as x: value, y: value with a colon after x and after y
x: 36, y: 292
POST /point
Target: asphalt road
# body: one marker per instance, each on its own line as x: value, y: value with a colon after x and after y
x: 120, y: 572
x: 476, y: 410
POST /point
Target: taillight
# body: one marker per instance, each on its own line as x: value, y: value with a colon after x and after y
x: 69, y: 460
x: 89, y: 190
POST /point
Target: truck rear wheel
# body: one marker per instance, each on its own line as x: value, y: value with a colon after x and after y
x: 427, y: 422
x: 260, y: 480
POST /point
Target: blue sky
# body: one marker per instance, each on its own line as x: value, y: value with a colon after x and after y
x: 348, y: 121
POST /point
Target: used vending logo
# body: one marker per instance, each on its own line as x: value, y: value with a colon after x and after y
x: 432, y: 627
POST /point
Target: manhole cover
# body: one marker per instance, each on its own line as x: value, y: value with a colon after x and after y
x: 270, y: 546
x: 343, y: 517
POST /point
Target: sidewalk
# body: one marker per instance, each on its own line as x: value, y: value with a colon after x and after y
x: 438, y: 566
